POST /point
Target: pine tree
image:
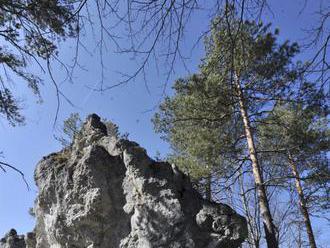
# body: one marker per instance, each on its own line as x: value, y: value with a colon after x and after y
x: 245, y: 73
x: 297, y: 136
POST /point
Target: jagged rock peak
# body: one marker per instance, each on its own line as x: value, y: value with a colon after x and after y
x: 106, y: 192
x: 93, y: 121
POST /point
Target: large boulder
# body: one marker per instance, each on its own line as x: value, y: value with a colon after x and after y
x: 106, y: 192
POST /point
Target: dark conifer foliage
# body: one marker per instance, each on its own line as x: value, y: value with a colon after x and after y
x: 222, y: 121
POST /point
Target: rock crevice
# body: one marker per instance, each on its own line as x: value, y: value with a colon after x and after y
x: 104, y: 192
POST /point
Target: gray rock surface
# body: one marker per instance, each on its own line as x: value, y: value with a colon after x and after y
x: 103, y: 192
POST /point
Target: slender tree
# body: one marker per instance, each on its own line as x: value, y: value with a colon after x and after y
x: 72, y: 126
x: 297, y: 135
x: 250, y: 73
x: 70, y: 129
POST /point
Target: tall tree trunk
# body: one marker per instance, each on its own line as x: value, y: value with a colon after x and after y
x: 270, y: 230
x: 302, y: 203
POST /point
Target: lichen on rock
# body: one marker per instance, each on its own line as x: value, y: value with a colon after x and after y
x: 107, y: 192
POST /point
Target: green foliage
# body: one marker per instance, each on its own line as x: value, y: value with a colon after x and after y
x: 301, y: 130
x: 202, y: 120
x: 112, y: 128
x: 194, y: 123
x: 9, y: 107
x: 29, y: 32
x: 72, y: 126
x: 70, y: 129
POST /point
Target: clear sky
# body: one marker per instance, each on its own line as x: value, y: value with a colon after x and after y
x: 128, y: 106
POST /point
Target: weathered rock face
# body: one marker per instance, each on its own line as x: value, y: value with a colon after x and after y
x: 107, y: 193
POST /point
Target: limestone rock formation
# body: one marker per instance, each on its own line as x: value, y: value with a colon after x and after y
x: 103, y: 192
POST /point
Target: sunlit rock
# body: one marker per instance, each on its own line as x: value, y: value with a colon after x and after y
x: 106, y: 192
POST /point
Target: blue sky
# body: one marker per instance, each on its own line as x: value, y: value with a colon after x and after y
x: 128, y: 106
